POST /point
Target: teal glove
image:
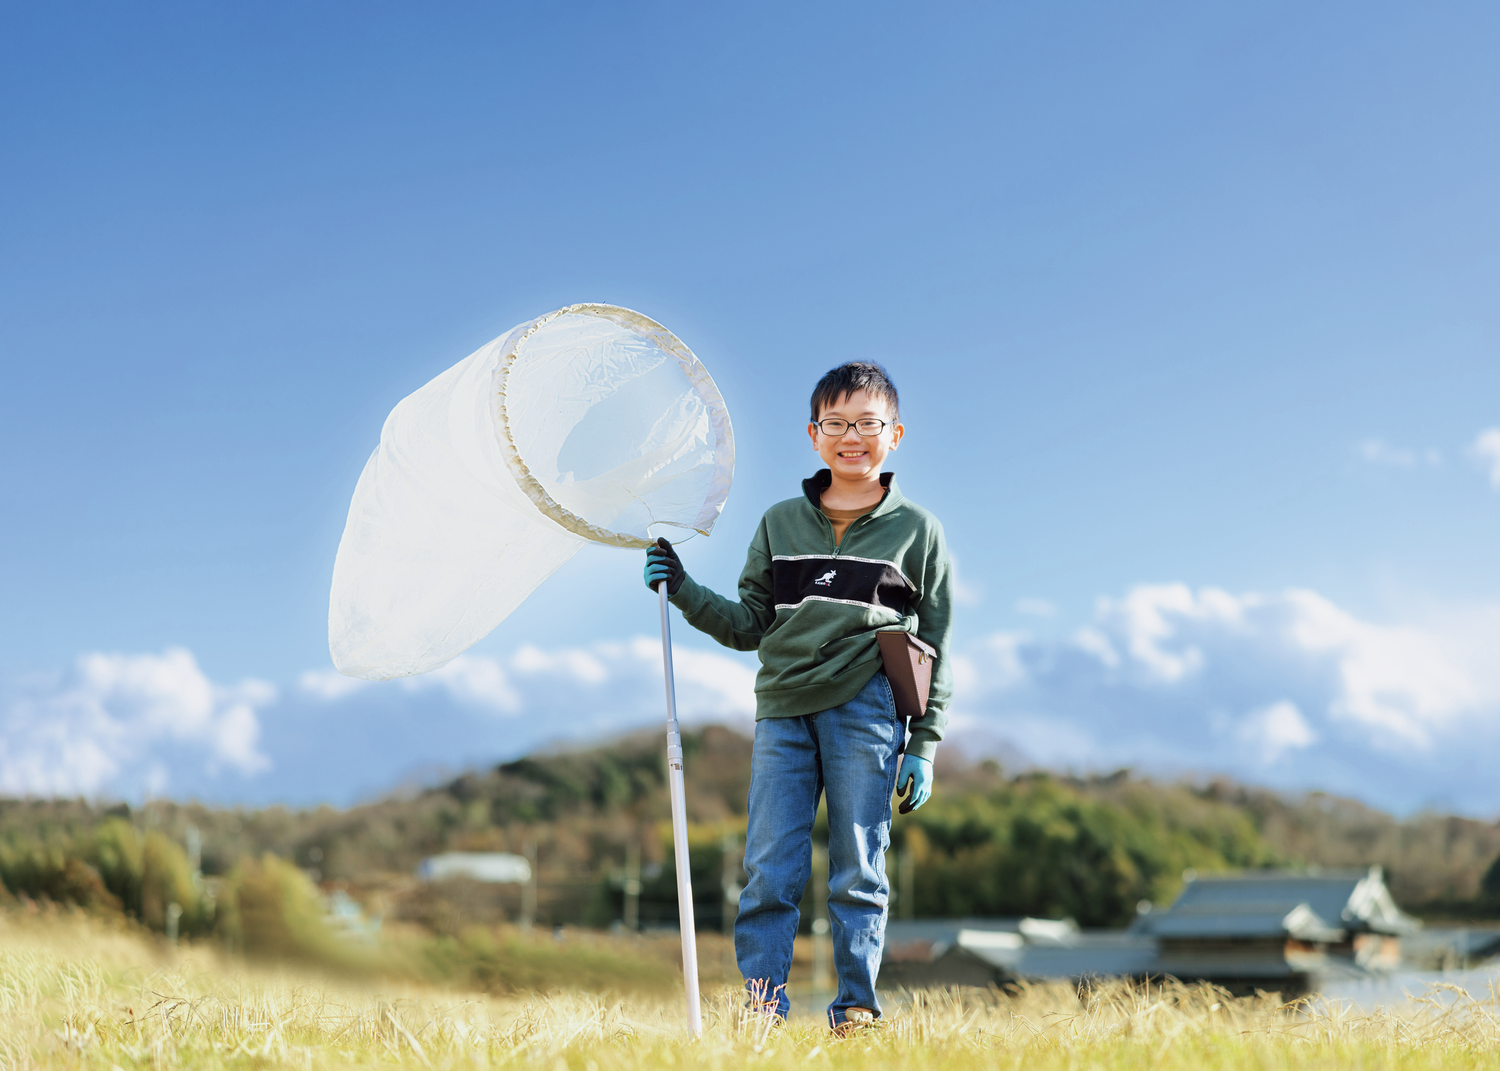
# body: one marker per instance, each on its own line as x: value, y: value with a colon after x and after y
x: 914, y: 781
x: 662, y: 563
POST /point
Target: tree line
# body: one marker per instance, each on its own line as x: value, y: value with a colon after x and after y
x: 990, y: 843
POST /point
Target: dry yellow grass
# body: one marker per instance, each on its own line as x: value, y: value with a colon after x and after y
x: 78, y: 994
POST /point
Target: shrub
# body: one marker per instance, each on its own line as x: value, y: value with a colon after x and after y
x: 270, y: 910
x: 147, y: 873
x: 1036, y: 846
x: 49, y: 873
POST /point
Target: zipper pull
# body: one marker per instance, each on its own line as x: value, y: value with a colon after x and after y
x: 838, y: 547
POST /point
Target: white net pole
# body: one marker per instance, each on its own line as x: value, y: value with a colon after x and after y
x: 679, y: 828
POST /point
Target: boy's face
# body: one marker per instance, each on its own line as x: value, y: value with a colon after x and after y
x: 852, y: 455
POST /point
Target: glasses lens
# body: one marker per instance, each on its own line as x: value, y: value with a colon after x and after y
x: 870, y: 427
x: 834, y: 427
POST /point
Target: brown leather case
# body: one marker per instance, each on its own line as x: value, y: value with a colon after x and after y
x: 908, y: 666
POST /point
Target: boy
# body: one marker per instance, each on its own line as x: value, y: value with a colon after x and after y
x: 825, y: 573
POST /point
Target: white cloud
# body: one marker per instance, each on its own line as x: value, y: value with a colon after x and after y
x: 472, y: 679
x: 573, y: 663
x: 152, y: 724
x: 992, y: 663
x: 1276, y: 729
x: 1150, y: 616
x: 109, y: 719
x: 1096, y: 643
x: 1203, y: 679
x: 710, y: 685
x: 329, y: 684
x: 610, y: 683
x: 235, y: 738
x: 964, y: 594
x: 1402, y: 682
x: 1286, y: 688
x: 1487, y: 448
x: 1377, y: 452
x: 1035, y: 608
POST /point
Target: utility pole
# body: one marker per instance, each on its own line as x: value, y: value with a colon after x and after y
x: 194, y: 840
x: 633, y: 885
x: 906, y: 877
x: 733, y: 850
x: 528, y: 891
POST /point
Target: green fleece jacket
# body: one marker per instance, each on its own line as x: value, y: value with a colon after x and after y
x: 812, y: 608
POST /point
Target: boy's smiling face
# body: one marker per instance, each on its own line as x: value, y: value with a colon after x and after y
x: 852, y: 456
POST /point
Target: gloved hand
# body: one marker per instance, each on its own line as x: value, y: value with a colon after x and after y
x: 662, y: 563
x: 914, y: 781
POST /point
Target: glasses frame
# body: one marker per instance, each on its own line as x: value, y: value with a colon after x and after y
x: 855, y: 425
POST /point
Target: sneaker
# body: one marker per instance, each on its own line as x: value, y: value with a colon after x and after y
x: 855, y: 1020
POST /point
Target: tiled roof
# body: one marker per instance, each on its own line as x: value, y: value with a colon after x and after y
x: 1224, y: 927
x: 1307, y: 906
x: 1248, y: 921
x: 1026, y: 948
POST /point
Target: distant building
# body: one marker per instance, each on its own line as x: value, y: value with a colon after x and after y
x: 1272, y: 930
x: 499, y: 867
x: 1278, y: 929
x: 1451, y: 948
x: 977, y: 951
x: 930, y: 953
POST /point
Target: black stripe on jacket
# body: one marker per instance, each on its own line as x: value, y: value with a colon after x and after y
x: 834, y: 578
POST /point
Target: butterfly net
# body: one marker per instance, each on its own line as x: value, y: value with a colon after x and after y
x: 589, y: 424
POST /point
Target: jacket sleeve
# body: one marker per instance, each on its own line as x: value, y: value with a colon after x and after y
x: 739, y: 625
x: 934, y: 612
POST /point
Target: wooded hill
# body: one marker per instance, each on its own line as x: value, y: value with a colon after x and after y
x: 987, y: 844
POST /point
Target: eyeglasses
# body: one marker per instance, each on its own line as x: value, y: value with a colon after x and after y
x: 867, y: 426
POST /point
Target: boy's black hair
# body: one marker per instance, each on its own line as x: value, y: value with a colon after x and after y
x: 848, y: 378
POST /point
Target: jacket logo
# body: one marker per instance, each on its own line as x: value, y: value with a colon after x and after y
x: 826, y: 580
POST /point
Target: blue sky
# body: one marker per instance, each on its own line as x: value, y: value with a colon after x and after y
x: 1192, y: 307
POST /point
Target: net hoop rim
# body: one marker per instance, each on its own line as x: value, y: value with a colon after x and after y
x: 697, y: 375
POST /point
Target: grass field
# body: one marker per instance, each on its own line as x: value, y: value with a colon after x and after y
x: 75, y: 993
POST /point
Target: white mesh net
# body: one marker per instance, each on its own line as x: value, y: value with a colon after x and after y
x: 592, y: 423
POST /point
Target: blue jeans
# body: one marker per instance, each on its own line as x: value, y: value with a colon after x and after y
x: 850, y: 753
